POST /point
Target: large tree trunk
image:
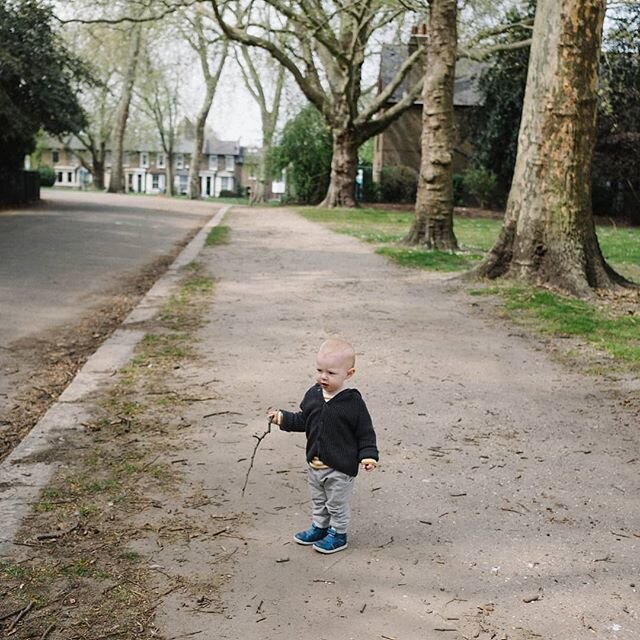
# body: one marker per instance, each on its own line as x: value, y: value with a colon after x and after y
x: 344, y: 167
x: 548, y: 236
x: 433, y: 224
x: 116, y: 183
x: 98, y: 174
x: 98, y: 162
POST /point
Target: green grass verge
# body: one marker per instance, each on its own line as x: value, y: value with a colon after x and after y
x: 218, y: 235
x: 617, y: 334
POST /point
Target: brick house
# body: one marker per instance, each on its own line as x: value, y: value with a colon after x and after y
x: 221, y: 168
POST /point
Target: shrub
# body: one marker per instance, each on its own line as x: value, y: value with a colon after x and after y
x: 398, y: 184
x: 47, y: 176
x: 458, y: 190
x: 227, y: 193
x: 481, y: 184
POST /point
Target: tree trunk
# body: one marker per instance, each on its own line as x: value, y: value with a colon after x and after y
x: 433, y: 224
x: 262, y: 192
x: 116, y: 183
x: 98, y: 173
x: 344, y: 167
x: 168, y: 172
x: 196, y: 155
x: 548, y: 236
x: 98, y: 158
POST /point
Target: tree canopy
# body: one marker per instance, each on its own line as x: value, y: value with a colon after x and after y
x: 305, y: 152
x: 38, y: 76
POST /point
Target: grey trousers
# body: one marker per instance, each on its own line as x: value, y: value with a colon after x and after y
x: 331, y: 497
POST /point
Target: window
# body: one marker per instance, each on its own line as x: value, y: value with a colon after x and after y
x: 144, y: 159
x: 59, y: 176
x: 125, y: 158
x: 229, y: 163
x: 55, y: 154
x: 213, y: 163
x: 155, y: 181
x: 160, y: 160
x: 179, y: 161
x: 225, y: 184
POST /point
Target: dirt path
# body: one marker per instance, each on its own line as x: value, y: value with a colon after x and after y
x: 506, y: 502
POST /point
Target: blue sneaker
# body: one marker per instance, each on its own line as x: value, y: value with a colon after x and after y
x: 332, y: 542
x: 311, y: 535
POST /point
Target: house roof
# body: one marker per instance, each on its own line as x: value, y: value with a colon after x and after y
x: 211, y: 146
x: 465, y: 92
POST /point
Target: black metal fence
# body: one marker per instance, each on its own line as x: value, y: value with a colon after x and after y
x: 19, y: 187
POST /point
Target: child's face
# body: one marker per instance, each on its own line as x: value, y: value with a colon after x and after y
x: 333, y: 369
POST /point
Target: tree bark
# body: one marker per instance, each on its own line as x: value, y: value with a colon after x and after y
x: 548, y: 236
x: 433, y: 224
x: 269, y: 113
x: 98, y: 174
x: 344, y: 167
x: 195, y: 191
x: 116, y: 183
x: 211, y: 78
x: 168, y: 172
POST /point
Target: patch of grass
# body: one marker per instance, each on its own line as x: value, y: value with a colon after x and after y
x: 79, y: 569
x: 561, y: 316
x: 160, y: 346
x: 621, y: 248
x: 433, y: 260
x: 11, y: 570
x: 50, y: 499
x: 218, y: 235
x: 86, y: 510
x: 181, y: 312
x: 102, y: 486
x: 388, y: 228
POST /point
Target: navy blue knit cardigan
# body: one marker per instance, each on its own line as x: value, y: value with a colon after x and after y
x: 339, y: 431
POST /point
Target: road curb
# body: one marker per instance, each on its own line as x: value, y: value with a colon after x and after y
x: 31, y: 465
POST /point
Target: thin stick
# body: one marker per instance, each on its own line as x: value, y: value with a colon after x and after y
x: 22, y: 613
x: 253, y: 455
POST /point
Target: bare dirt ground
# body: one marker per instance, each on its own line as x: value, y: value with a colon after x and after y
x: 505, y: 505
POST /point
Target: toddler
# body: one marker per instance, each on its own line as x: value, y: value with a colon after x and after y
x: 340, y: 438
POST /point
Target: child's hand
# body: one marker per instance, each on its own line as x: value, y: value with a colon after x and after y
x: 275, y: 416
x: 369, y: 464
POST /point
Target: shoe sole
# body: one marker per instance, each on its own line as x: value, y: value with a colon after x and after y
x: 321, y: 550
x: 302, y: 542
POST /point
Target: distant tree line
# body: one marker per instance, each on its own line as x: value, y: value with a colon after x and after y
x: 39, y: 77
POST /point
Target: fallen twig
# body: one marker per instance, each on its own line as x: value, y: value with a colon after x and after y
x: 23, y: 612
x: 253, y: 455
x: 48, y: 630
x: 56, y: 534
x: 10, y: 614
x: 221, y: 413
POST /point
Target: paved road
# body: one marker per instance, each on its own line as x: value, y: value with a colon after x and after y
x: 56, y: 259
